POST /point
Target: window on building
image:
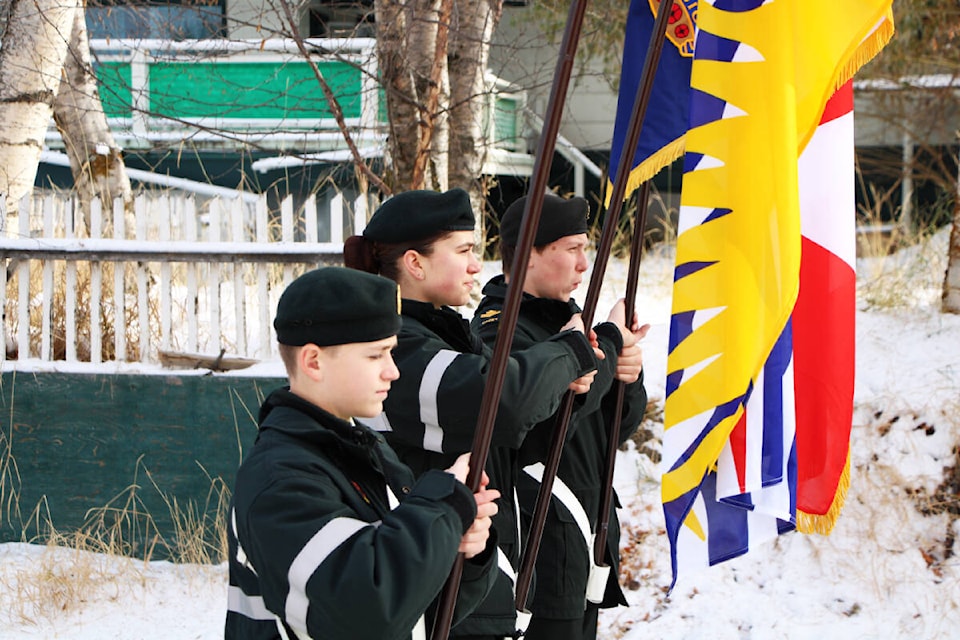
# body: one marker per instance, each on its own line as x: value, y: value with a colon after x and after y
x: 167, y: 20
x: 340, y: 19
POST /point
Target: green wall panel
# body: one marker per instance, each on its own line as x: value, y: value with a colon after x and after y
x: 505, y: 116
x: 251, y: 89
x: 114, y: 79
x: 78, y: 441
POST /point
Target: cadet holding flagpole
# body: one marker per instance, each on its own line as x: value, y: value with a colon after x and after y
x: 424, y: 241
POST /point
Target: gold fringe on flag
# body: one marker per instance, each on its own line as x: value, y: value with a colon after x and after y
x: 647, y: 169
x: 823, y: 524
x: 867, y: 49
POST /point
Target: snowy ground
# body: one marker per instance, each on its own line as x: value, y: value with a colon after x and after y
x: 887, y: 571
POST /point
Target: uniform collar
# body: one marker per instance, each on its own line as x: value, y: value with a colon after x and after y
x: 344, y: 430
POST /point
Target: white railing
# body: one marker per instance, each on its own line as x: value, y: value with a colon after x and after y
x: 177, y: 277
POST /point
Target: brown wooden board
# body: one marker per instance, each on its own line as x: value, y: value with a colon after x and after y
x: 76, y: 442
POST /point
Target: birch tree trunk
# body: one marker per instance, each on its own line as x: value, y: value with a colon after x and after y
x: 951, y: 280
x: 407, y: 53
x: 399, y: 91
x: 31, y: 65
x: 471, y: 33
x: 95, y: 160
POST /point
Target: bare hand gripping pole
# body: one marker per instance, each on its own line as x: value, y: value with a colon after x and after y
x: 610, y: 221
x: 511, y: 310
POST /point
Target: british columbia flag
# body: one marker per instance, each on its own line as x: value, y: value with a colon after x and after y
x: 760, y: 369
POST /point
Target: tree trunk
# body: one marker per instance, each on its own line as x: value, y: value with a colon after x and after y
x: 31, y: 63
x: 471, y: 33
x: 951, y: 280
x: 406, y: 49
x: 434, y: 144
x: 399, y: 91
x: 95, y: 160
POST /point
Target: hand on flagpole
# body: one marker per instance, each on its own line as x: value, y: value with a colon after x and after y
x: 630, y: 362
x: 474, y: 541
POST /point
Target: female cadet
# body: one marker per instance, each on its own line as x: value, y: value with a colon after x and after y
x: 424, y: 241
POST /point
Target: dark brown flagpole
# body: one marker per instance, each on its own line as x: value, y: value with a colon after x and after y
x: 613, y: 435
x: 610, y: 221
x: 511, y: 310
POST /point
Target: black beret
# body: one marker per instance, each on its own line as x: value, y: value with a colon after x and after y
x: 415, y: 215
x: 336, y: 305
x: 558, y: 218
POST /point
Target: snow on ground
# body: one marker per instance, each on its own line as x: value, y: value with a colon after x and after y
x: 887, y: 570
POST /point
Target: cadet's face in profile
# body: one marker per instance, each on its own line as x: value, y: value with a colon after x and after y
x: 357, y: 377
x: 450, y: 268
x: 557, y: 270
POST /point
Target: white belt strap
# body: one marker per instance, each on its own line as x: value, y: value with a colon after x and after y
x: 565, y: 495
x: 597, y: 578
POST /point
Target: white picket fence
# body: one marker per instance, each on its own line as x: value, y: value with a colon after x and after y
x: 180, y: 277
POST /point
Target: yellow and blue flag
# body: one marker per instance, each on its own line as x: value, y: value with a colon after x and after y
x: 759, y: 270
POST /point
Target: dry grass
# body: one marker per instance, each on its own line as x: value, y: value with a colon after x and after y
x: 124, y: 526
x: 82, y: 315
x: 9, y: 474
x: 80, y: 566
x: 898, y: 267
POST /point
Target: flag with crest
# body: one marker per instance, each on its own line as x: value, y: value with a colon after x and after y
x: 661, y: 138
x: 760, y: 366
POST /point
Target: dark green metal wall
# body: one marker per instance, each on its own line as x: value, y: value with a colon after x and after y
x: 78, y: 441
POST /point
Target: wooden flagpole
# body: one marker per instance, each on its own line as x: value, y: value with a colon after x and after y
x: 642, y: 99
x: 613, y: 435
x: 511, y: 310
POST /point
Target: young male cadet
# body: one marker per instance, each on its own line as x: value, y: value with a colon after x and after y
x: 560, y: 604
x: 329, y: 535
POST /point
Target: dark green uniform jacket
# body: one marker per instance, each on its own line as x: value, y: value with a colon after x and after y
x: 564, y: 559
x: 430, y: 417
x: 313, y: 540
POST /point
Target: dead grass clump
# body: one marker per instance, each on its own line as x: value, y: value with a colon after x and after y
x: 9, y: 474
x: 190, y: 533
x: 648, y: 438
x: 199, y: 531
x: 75, y: 280
x: 76, y: 567
x: 900, y: 269
x: 61, y: 580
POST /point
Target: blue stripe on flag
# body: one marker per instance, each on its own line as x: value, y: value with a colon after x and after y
x: 774, y: 370
x: 705, y: 108
x: 711, y: 47
x: 681, y: 326
x: 720, y: 413
x: 683, y: 270
x: 728, y: 531
x: 738, y: 6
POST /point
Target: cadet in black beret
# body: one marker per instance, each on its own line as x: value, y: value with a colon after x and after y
x: 425, y: 241
x: 558, y: 218
x: 415, y: 215
x: 308, y: 556
x: 409, y: 220
x: 570, y: 587
x: 334, y: 305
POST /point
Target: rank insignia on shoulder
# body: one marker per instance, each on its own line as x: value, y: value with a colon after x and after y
x: 490, y: 316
